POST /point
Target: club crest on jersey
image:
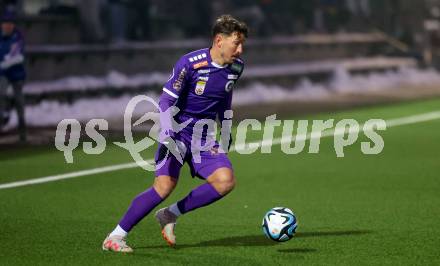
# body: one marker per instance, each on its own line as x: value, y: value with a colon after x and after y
x: 229, y: 85
x: 200, y: 87
x: 177, y: 85
x: 201, y: 64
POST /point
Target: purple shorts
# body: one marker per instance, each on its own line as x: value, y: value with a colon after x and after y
x: 209, y: 161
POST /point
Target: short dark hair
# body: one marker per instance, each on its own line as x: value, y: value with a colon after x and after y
x: 227, y: 24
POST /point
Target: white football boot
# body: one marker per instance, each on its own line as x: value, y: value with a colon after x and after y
x: 116, y: 244
x: 167, y: 221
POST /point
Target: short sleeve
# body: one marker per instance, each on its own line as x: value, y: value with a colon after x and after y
x: 178, y: 79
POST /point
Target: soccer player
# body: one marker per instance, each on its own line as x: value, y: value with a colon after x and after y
x: 201, y: 87
x: 12, y: 69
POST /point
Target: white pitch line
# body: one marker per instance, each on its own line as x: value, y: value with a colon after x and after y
x: 331, y: 132
x: 390, y: 123
x: 71, y: 175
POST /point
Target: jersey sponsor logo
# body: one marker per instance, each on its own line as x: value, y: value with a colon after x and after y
x: 203, y: 71
x: 177, y: 85
x: 229, y: 85
x: 200, y: 87
x: 237, y: 67
x: 232, y: 76
x: 203, y: 78
x: 201, y: 64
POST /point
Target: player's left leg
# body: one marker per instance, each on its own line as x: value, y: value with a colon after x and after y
x: 222, y: 180
x: 217, y: 170
x: 218, y: 184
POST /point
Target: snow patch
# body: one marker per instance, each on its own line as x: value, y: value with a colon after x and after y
x: 49, y: 113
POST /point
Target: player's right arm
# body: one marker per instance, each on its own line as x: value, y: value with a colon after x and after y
x: 170, y: 94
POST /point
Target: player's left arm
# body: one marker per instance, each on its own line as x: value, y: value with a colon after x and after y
x: 226, y: 106
x: 227, y: 102
x: 223, y: 116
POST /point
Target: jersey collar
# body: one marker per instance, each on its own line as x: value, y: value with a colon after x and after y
x: 214, y: 64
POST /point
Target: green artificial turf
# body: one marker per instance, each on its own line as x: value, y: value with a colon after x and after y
x: 356, y: 210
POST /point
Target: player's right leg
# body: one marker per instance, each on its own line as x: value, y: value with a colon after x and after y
x: 139, y: 208
x: 164, y: 183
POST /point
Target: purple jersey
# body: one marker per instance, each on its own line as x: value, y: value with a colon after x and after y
x: 202, y: 88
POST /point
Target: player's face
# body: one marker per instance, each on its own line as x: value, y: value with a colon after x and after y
x: 7, y: 28
x: 231, y: 47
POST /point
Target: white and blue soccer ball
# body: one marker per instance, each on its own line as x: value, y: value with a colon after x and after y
x: 279, y: 224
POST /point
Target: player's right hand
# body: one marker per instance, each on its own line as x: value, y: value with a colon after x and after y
x: 170, y: 145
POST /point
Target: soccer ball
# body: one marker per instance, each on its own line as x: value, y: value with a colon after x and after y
x: 279, y: 224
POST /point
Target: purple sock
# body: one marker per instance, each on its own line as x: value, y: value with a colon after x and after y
x: 200, y: 196
x: 139, y: 208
